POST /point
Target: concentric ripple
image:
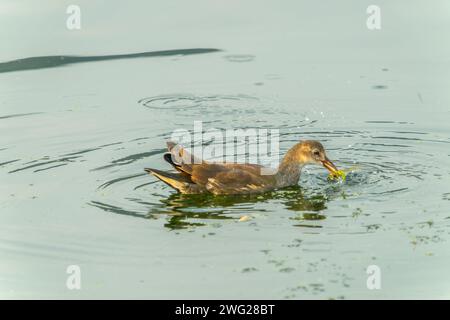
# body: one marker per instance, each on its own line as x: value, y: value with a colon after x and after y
x: 189, y: 101
x: 208, y: 106
x: 383, y: 164
x: 386, y: 162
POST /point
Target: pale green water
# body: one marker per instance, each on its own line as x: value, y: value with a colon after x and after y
x: 75, y: 137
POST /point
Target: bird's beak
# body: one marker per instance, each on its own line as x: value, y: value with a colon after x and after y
x: 329, y: 165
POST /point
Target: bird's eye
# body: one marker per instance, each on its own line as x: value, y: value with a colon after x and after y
x: 316, y: 153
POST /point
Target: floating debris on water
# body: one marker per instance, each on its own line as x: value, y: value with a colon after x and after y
x: 245, y: 218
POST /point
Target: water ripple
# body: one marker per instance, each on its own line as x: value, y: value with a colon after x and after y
x: 190, y: 101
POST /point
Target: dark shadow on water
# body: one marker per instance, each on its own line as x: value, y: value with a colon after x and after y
x: 58, y: 61
x: 187, y: 211
x: 19, y: 115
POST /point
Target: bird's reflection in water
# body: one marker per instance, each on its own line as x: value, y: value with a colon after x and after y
x: 184, y: 210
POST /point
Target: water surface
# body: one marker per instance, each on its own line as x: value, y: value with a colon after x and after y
x: 83, y: 112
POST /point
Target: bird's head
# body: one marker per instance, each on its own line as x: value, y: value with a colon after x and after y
x: 311, y: 151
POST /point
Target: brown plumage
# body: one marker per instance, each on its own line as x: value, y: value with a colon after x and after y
x: 197, y: 176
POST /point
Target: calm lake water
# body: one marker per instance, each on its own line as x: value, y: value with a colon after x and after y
x: 88, y: 109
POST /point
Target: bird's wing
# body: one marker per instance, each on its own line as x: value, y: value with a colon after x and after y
x: 218, y: 178
x: 239, y: 181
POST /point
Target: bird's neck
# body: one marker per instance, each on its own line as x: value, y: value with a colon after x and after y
x: 288, y: 173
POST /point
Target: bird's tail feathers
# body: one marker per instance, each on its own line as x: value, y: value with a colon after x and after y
x: 174, y: 180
